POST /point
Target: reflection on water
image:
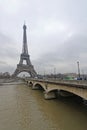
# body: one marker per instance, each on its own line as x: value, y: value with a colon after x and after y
x: 24, y: 109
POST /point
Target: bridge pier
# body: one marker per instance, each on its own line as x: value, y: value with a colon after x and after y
x: 50, y: 95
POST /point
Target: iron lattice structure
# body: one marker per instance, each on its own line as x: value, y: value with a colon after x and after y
x: 28, y: 67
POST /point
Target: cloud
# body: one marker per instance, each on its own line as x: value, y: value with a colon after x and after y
x: 10, y: 6
x: 56, y: 32
x: 64, y: 58
x: 8, y: 52
x: 3, y: 63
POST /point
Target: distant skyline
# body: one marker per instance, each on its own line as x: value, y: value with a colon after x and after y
x: 56, y: 34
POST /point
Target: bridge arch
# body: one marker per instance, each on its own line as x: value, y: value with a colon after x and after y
x: 17, y: 72
x: 39, y: 86
x: 62, y: 88
x: 69, y: 91
x: 30, y: 83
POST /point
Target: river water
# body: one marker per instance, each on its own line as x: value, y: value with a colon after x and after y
x: 22, y: 108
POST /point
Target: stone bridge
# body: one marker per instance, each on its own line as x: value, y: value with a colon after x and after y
x: 53, y: 88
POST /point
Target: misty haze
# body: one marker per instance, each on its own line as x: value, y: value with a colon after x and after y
x: 43, y: 66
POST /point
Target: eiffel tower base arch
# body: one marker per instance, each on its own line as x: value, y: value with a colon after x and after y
x: 25, y: 68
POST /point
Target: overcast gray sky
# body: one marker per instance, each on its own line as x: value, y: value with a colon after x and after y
x: 56, y: 32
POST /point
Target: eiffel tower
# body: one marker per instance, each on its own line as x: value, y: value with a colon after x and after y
x: 28, y: 67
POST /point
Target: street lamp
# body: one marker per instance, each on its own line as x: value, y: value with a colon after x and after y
x: 78, y: 69
x: 55, y: 73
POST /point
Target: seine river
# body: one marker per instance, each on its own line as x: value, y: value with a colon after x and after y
x: 22, y: 108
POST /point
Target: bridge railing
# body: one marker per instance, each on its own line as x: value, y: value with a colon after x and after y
x: 73, y: 83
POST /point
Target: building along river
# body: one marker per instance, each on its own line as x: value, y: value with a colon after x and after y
x: 22, y: 108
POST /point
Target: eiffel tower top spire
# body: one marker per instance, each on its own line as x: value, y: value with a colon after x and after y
x: 25, y: 48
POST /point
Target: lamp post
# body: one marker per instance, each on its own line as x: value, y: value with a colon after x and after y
x: 55, y: 73
x: 78, y: 69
